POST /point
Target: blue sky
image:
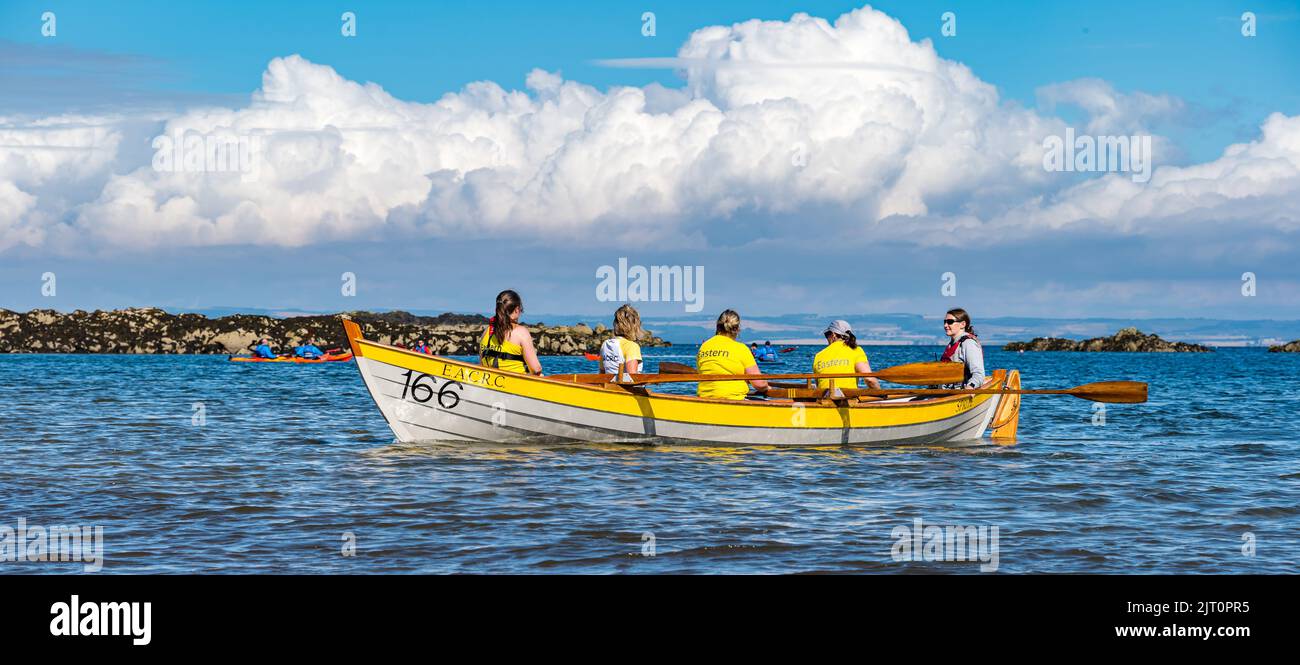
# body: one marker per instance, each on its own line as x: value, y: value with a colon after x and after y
x: 140, y: 63
x: 421, y: 50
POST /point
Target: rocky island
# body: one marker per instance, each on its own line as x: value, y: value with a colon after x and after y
x: 1289, y: 347
x: 1127, y: 339
x: 152, y: 330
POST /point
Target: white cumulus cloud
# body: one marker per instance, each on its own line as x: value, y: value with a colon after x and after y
x: 775, y: 117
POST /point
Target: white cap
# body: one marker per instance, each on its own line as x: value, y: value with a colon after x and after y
x: 839, y: 327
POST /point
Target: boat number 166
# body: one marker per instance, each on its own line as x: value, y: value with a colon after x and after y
x: 447, y: 398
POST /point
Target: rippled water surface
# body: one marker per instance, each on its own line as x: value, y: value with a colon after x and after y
x: 288, y: 461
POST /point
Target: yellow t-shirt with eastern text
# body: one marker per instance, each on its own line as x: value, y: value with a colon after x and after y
x: 838, y: 358
x: 723, y: 355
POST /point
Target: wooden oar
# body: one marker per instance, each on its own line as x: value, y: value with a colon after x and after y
x: 667, y: 367
x: 916, y: 374
x: 1115, y: 392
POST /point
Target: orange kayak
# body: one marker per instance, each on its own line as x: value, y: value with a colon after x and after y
x: 342, y: 357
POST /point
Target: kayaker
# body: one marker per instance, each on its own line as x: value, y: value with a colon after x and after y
x: 308, y: 350
x: 964, y: 347
x: 842, y: 355
x: 767, y: 353
x: 422, y: 347
x: 263, y: 349
x: 505, y: 344
x: 621, y: 354
x: 722, y: 354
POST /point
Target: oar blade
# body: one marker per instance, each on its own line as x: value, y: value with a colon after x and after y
x: 924, y: 374
x: 1114, y: 392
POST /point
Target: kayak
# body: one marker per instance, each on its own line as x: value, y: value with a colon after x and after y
x: 787, y: 349
x: 341, y: 357
x: 434, y: 398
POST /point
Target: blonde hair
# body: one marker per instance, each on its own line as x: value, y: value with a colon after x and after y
x: 728, y: 323
x: 627, y: 323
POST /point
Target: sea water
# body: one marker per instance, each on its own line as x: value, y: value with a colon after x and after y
x: 196, y: 464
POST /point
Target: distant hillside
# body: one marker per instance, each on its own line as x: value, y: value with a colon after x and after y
x: 916, y: 329
x: 897, y: 328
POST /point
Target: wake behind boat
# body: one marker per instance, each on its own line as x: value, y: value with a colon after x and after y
x: 429, y: 397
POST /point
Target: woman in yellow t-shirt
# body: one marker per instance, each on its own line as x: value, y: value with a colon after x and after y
x: 505, y: 344
x: 722, y: 354
x: 621, y: 354
x: 842, y: 355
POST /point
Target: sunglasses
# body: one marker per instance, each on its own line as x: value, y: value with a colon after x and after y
x: 948, y: 322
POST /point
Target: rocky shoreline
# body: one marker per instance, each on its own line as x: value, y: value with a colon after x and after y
x: 1126, y: 340
x: 1289, y: 347
x: 151, y: 330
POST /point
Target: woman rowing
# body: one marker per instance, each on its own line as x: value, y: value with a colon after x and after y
x: 621, y: 354
x: 506, y: 345
x: 964, y: 347
x: 722, y: 354
x: 842, y: 355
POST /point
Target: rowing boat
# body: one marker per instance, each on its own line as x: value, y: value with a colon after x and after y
x: 429, y: 397
x: 433, y: 398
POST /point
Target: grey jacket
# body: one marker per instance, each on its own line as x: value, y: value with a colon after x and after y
x: 971, y: 354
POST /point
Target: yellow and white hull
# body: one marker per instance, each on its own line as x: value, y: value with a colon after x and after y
x: 427, y: 398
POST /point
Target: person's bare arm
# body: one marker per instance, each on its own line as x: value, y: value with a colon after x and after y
x: 530, y: 353
x: 759, y: 385
x: 632, y: 367
x: 864, y: 367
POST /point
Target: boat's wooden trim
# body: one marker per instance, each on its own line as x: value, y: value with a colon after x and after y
x: 1006, y: 418
x: 353, y: 332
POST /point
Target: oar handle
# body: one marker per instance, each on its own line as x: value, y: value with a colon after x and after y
x: 1116, y: 392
